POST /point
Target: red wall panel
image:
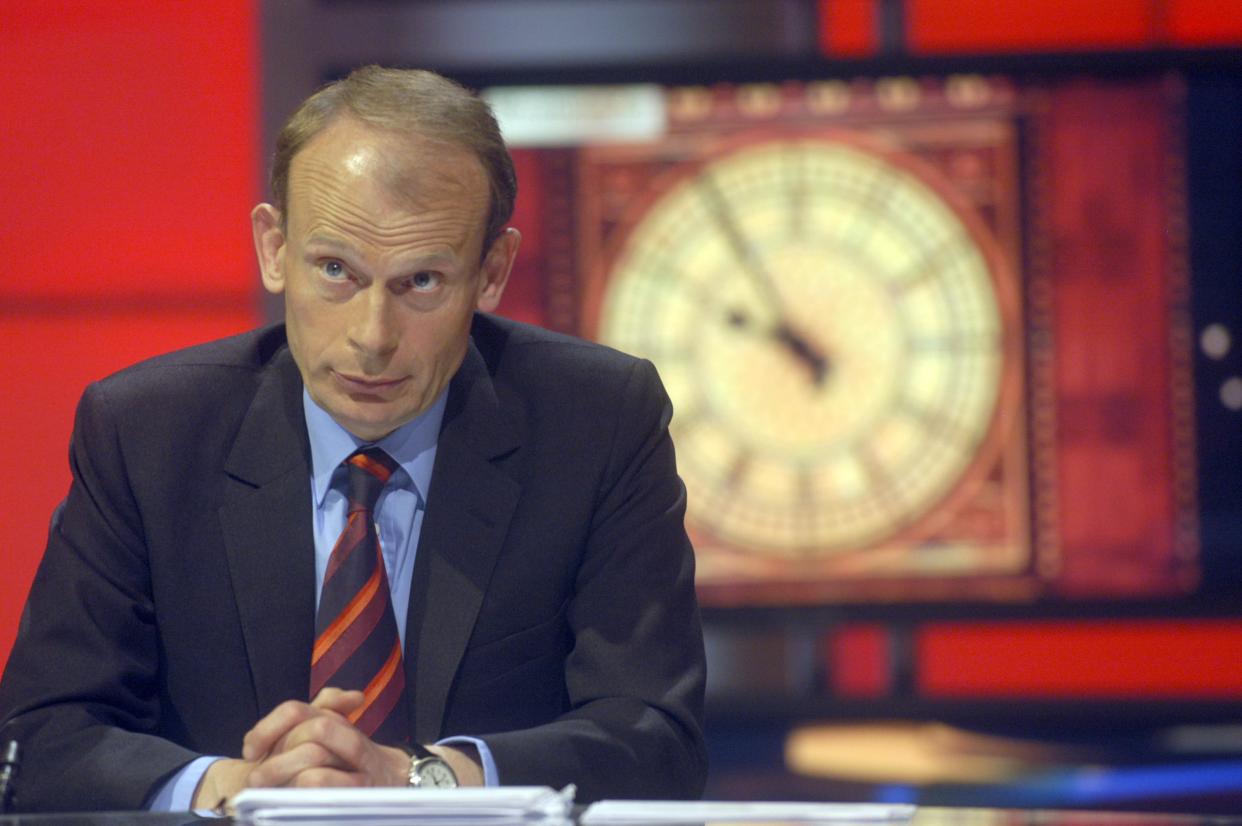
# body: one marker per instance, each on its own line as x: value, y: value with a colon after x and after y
x: 946, y: 26
x: 135, y: 147
x: 1154, y: 659
x: 1107, y: 194
x: 1204, y: 22
x: 848, y: 28
x: 860, y: 661
x: 129, y: 171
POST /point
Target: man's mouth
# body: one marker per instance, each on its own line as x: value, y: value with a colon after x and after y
x: 366, y: 384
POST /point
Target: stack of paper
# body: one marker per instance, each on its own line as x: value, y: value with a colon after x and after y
x: 383, y: 806
x: 653, y: 811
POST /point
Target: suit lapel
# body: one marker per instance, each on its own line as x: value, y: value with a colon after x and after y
x: 469, y: 507
x: 266, y: 520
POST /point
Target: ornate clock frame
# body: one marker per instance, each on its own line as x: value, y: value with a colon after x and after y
x: 959, y: 132
x: 1080, y: 183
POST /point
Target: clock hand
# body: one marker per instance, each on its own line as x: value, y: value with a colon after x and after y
x: 752, y: 265
x: 797, y: 345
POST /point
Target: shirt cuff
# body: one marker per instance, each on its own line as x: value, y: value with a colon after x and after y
x: 176, y: 794
x: 490, y: 775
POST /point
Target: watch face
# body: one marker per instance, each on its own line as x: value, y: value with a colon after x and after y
x: 829, y: 330
x: 433, y: 772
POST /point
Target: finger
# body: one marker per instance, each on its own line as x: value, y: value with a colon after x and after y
x: 332, y: 732
x: 283, y: 769
x: 321, y: 778
x: 353, y: 751
x: 261, y: 739
x: 285, y: 741
x: 338, y: 700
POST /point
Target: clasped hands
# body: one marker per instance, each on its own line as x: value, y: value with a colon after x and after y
x: 314, y: 744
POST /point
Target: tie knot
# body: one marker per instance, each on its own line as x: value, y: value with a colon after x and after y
x: 369, y: 470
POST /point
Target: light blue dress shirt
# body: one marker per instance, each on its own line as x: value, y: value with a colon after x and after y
x: 399, y: 519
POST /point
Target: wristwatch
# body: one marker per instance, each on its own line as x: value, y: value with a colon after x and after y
x: 427, y: 771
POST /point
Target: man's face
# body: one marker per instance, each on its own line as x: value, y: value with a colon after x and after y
x: 379, y: 263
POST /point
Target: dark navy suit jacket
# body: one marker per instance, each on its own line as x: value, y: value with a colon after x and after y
x: 552, y: 610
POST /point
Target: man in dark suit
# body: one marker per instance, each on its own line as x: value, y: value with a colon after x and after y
x: 530, y: 533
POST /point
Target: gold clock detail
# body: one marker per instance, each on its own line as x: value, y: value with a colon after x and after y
x: 831, y: 328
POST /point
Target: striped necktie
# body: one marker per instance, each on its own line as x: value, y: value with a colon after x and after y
x: 356, y: 640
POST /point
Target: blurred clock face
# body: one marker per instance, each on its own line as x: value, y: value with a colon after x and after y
x: 828, y: 328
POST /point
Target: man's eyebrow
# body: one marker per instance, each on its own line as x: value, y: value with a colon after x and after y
x: 418, y: 261
x: 326, y: 241
x: 435, y: 258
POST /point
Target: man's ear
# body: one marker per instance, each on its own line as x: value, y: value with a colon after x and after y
x: 496, y: 267
x: 269, y: 245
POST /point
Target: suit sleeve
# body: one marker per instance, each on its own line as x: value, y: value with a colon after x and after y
x: 636, y: 673
x: 84, y: 708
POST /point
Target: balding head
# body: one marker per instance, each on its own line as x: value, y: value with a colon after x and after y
x: 412, y: 103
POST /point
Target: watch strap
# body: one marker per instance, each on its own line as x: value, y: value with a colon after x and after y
x: 417, y: 751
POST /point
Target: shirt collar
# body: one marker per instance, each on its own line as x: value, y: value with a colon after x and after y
x: 413, y: 446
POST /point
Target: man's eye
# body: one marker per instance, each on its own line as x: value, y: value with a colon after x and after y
x: 333, y: 269
x: 424, y: 281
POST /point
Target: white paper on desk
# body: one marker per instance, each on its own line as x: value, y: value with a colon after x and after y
x: 378, y: 806
x: 652, y: 811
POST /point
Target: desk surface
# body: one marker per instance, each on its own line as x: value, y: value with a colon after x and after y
x: 924, y: 816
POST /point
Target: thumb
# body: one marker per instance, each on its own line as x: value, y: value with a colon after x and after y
x: 338, y: 700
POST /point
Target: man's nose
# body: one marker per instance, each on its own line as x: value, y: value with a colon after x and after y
x: 374, y: 332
